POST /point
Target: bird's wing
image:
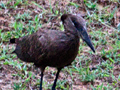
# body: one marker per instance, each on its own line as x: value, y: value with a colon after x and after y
x: 53, y: 42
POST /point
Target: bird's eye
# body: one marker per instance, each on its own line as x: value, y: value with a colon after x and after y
x: 78, y: 26
x: 75, y: 23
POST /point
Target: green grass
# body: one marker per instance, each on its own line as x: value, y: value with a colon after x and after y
x: 102, y: 28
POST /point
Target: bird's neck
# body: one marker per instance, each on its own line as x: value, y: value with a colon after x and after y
x: 72, y: 32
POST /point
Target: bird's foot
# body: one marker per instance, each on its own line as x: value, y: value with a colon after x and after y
x: 53, y: 88
x: 40, y: 88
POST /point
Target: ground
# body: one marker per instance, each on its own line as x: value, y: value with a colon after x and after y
x: 89, y: 71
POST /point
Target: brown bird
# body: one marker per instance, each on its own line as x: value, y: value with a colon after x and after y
x: 52, y: 47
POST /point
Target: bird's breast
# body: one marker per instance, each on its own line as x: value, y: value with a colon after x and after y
x: 65, y: 56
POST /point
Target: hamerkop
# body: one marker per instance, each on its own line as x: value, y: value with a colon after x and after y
x: 53, y: 48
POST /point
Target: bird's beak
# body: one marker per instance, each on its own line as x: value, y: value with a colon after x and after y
x: 85, y: 37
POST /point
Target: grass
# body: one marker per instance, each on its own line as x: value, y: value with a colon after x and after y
x: 99, y: 71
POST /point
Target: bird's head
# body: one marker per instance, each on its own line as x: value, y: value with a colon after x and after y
x: 79, y: 24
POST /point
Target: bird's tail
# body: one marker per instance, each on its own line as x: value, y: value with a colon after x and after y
x: 12, y: 40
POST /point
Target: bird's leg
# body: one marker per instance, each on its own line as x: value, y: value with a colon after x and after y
x: 42, y: 71
x: 54, y: 85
